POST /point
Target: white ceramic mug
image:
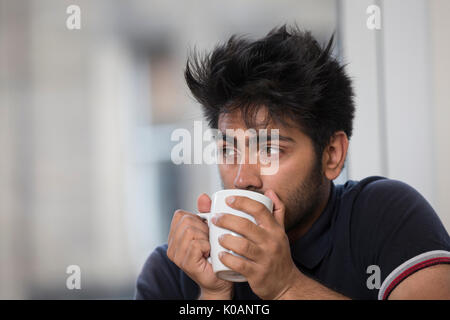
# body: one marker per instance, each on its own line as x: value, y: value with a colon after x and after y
x: 219, y: 205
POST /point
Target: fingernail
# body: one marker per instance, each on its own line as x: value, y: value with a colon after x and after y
x: 230, y: 200
x: 216, y: 217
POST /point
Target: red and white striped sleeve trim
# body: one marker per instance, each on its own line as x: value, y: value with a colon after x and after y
x: 407, y: 268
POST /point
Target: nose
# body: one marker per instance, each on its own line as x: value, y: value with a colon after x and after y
x: 248, y: 177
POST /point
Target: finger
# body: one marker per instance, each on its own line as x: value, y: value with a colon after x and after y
x: 188, y: 231
x: 184, y: 239
x: 196, y: 254
x: 254, y: 208
x: 177, y: 215
x: 204, y: 203
x: 185, y: 231
x: 278, y: 207
x: 238, y: 264
x: 241, y: 246
x: 183, y: 218
x: 240, y: 225
x: 194, y: 220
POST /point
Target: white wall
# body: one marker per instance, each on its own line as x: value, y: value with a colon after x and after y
x: 360, y: 51
x: 400, y: 75
x: 440, y: 52
x: 407, y: 67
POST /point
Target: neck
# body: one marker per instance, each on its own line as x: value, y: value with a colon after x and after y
x: 299, y: 231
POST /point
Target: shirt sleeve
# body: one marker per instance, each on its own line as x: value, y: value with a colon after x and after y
x: 395, y: 228
x: 159, y: 278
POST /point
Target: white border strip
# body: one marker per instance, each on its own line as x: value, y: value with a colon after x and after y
x: 406, y: 265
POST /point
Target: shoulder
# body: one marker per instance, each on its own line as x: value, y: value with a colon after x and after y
x: 375, y: 191
x: 391, y: 224
x: 390, y: 215
x: 385, y: 191
x: 382, y: 203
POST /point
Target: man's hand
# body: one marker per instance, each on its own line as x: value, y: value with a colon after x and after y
x: 268, y: 268
x: 189, y: 248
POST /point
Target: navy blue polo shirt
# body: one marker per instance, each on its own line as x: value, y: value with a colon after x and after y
x: 372, y: 235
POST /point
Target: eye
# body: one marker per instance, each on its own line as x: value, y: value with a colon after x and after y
x: 270, y: 150
x: 229, y: 153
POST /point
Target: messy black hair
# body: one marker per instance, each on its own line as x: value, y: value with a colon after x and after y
x: 286, y: 71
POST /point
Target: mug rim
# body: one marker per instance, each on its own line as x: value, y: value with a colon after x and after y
x: 261, y: 196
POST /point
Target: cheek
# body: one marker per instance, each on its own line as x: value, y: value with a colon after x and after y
x: 281, y: 183
x: 299, y: 164
x: 292, y: 172
x: 227, y: 175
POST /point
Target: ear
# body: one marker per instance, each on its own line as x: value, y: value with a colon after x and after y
x: 334, y: 154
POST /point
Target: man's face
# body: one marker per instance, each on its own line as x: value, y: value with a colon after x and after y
x: 298, y: 181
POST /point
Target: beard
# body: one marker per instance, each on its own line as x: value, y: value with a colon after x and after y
x: 302, y: 202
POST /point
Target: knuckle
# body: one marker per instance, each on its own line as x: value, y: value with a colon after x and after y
x: 184, y: 236
x: 260, y: 206
x: 249, y: 225
x: 241, y: 266
x: 199, y: 245
x: 195, y: 245
x: 178, y: 213
x: 176, y: 218
x: 186, y: 221
x: 245, y: 246
x: 189, y: 231
x: 252, y: 227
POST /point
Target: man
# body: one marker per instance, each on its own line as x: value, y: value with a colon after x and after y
x: 376, y: 238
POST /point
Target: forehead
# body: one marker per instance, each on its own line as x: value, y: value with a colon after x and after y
x: 262, y: 120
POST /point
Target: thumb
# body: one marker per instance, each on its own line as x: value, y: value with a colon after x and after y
x: 203, y: 203
x: 278, y: 207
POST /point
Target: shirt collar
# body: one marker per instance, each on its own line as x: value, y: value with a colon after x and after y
x: 310, y: 249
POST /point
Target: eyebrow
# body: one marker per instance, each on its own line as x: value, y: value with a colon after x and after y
x: 233, y: 139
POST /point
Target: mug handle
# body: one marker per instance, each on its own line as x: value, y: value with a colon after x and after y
x: 206, y: 216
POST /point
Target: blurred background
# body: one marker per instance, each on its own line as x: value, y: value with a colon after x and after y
x: 86, y: 117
